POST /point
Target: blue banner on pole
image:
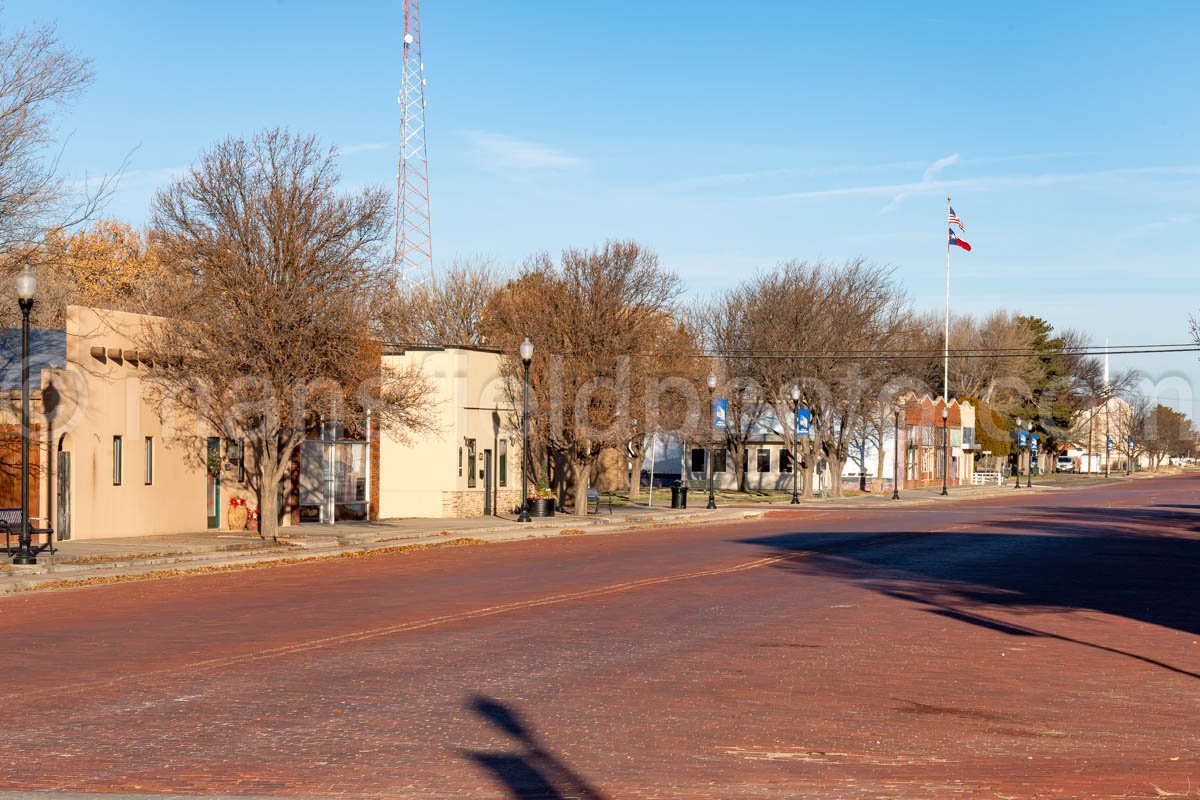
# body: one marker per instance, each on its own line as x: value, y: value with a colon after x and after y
x: 1110, y: 444
x: 1033, y: 443
x: 1022, y: 438
x: 1131, y: 443
x: 719, y: 411
x: 803, y: 422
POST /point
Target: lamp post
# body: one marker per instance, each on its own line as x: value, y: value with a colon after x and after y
x: 712, y: 388
x: 1017, y: 441
x: 896, y: 455
x: 526, y: 351
x: 1029, y: 458
x: 795, y: 437
x: 26, y: 287
x: 945, y: 449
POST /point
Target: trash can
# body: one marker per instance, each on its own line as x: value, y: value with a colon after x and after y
x: 678, y: 495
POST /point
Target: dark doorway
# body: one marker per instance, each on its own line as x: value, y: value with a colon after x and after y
x: 64, y: 496
x: 488, y: 499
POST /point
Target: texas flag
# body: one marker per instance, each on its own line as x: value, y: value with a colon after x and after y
x: 960, y: 242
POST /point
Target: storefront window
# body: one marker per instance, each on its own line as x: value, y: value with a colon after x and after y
x: 471, y: 476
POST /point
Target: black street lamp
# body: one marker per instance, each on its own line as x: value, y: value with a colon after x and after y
x: 1017, y: 441
x: 1029, y: 458
x: 26, y: 287
x: 526, y: 351
x: 795, y: 437
x: 712, y: 411
x: 896, y: 455
x: 945, y: 449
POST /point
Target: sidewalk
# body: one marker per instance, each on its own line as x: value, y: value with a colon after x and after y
x: 80, y: 562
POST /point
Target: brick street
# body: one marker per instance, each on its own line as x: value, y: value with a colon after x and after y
x: 1038, y: 645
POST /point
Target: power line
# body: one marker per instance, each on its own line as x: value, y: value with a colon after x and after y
x: 876, y: 355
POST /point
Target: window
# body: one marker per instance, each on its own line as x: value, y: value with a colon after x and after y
x: 764, y: 460
x: 785, y: 460
x: 698, y: 459
x: 504, y: 462
x: 237, y: 457
x: 149, y: 460
x: 460, y: 462
x: 719, y: 460
x: 471, y: 477
x: 927, y: 435
x: 116, y: 461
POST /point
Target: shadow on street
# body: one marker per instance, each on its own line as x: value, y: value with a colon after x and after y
x: 529, y: 771
x: 1137, y: 563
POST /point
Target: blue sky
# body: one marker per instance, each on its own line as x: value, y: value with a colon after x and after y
x: 726, y: 136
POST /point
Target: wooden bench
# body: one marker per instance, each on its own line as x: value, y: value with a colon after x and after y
x: 10, y: 523
x: 594, y: 499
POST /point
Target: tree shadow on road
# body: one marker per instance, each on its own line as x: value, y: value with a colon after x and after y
x: 531, y: 772
x: 1138, y: 563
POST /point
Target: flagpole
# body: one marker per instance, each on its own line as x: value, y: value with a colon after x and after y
x: 946, y: 341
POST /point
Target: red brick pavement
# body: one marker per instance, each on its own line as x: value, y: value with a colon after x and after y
x: 1038, y: 646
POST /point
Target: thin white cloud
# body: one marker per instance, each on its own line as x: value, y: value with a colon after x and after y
x: 130, y: 178
x: 503, y: 153
x: 366, y: 147
x: 929, y: 178
x: 932, y: 171
x: 783, y: 172
x: 899, y: 191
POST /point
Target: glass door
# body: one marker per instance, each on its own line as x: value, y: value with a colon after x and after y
x: 213, y: 478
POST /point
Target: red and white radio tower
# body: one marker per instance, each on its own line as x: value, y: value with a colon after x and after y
x: 414, y: 244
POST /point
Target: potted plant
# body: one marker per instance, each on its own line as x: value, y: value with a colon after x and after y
x: 540, y: 502
x: 237, y: 513
x: 252, y: 519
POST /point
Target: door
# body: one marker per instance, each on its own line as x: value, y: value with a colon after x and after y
x: 487, y: 483
x: 213, y: 478
x: 64, y: 496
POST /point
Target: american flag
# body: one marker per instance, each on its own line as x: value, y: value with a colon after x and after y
x: 954, y: 220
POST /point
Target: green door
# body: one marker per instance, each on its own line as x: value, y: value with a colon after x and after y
x: 213, y: 476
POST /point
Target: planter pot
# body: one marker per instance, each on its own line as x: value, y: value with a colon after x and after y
x: 251, y: 524
x: 541, y: 506
x: 237, y: 518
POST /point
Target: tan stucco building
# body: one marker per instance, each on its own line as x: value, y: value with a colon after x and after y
x: 105, y: 464
x: 470, y: 464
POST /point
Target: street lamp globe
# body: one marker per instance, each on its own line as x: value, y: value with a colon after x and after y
x: 945, y: 412
x: 712, y: 380
x: 526, y: 350
x: 795, y: 394
x: 26, y: 285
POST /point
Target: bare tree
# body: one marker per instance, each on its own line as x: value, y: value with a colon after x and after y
x: 598, y: 320
x: 727, y: 329
x: 820, y: 328
x: 263, y: 335
x: 448, y: 310
x: 38, y: 76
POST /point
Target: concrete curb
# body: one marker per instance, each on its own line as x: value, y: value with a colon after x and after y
x: 67, y: 575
